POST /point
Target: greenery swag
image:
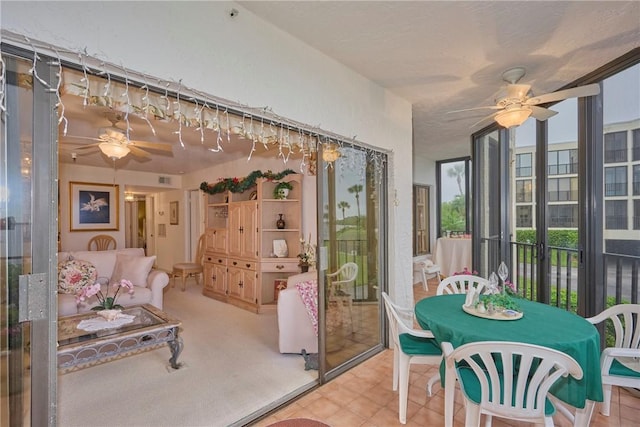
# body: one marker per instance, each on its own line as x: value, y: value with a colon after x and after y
x: 240, y: 185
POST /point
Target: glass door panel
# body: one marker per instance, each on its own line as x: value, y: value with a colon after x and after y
x: 15, y: 243
x: 487, y: 230
x: 352, y: 256
x: 621, y: 174
x: 563, y: 204
x: 27, y: 238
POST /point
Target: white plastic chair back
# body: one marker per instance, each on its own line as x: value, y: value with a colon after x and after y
x: 460, y: 284
x: 514, y: 378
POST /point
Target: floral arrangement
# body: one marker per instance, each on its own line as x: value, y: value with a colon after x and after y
x: 504, y: 296
x: 307, y: 253
x: 240, y: 185
x: 105, y: 302
x: 466, y: 272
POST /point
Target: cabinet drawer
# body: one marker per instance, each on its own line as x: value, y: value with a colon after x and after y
x: 215, y: 259
x: 280, y: 266
x: 242, y: 263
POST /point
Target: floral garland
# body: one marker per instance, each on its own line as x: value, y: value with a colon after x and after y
x: 240, y: 185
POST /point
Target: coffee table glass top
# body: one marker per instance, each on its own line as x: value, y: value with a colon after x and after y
x: 145, y: 316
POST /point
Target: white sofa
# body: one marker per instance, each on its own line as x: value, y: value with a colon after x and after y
x: 295, y: 329
x: 105, y: 263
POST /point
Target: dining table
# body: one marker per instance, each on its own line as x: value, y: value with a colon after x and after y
x: 540, y: 324
x: 452, y: 254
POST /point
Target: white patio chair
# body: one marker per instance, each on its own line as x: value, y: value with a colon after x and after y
x: 460, y: 284
x: 409, y: 346
x: 426, y: 269
x: 508, y: 379
x: 620, y: 364
x: 344, y: 276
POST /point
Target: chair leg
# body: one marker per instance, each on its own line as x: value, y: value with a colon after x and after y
x: 606, y: 402
x: 449, y: 396
x: 395, y: 367
x: 424, y: 282
x: 184, y: 281
x: 473, y: 415
x: 403, y: 386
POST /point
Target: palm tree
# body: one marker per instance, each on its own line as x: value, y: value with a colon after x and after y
x: 343, y: 205
x: 357, y: 189
x: 457, y: 172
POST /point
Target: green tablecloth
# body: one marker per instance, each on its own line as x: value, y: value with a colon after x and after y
x: 541, y: 324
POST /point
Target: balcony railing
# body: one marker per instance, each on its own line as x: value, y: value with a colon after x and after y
x: 620, y: 282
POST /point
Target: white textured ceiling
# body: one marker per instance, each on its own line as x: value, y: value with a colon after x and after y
x: 445, y: 55
x: 440, y: 56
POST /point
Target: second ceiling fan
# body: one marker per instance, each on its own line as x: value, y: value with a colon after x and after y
x: 115, y: 144
x: 518, y: 103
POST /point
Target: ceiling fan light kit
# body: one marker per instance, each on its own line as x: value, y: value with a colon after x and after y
x: 513, y: 117
x: 113, y: 150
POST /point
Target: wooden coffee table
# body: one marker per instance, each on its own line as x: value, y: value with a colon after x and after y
x: 151, y: 328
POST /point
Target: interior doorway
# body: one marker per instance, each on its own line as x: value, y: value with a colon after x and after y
x: 135, y: 219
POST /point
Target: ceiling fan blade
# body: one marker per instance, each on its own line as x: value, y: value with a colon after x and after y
x: 160, y: 146
x: 85, y: 147
x: 490, y: 107
x: 485, y: 120
x: 81, y: 137
x: 138, y: 152
x: 541, y: 114
x: 588, y: 90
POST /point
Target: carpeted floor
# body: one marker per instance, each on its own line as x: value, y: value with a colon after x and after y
x: 232, y: 369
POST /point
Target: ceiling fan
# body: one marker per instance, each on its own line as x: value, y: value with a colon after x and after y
x: 517, y: 103
x: 115, y: 144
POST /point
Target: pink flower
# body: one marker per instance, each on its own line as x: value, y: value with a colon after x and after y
x: 466, y: 272
x: 124, y: 283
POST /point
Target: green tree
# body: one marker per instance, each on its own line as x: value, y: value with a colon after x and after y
x: 453, y: 214
x: 343, y: 206
x: 357, y: 189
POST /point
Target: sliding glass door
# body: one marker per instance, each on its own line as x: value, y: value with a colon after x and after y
x: 27, y: 238
x: 352, y: 241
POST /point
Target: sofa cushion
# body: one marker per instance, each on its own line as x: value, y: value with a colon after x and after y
x: 74, y: 275
x: 104, y: 261
x: 133, y: 268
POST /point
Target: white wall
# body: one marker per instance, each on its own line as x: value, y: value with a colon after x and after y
x: 245, y: 60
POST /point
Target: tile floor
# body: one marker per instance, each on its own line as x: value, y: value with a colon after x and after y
x: 363, y: 397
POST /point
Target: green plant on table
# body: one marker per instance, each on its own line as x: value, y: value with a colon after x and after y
x: 503, y: 300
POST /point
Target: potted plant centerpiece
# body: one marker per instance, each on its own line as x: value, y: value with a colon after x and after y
x: 281, y: 190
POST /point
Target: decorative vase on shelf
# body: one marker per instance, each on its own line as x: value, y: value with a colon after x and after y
x: 304, y: 267
x: 283, y: 193
x: 280, y: 222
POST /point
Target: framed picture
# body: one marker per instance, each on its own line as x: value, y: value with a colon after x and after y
x: 93, y: 207
x: 173, y: 213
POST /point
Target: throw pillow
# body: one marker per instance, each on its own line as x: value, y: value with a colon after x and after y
x: 75, y: 274
x: 133, y: 268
